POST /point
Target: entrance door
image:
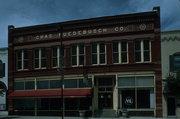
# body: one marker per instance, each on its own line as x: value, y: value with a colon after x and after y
x: 105, y: 100
x: 171, y: 106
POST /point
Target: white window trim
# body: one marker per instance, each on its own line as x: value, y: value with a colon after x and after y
x: 77, y: 56
x: 58, y: 58
x: 98, y: 55
x: 39, y: 58
x: 142, y: 53
x: 22, y: 62
x: 120, y: 52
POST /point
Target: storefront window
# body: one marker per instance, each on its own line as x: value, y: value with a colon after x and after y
x: 43, y: 84
x: 55, y: 84
x: 19, y: 86
x: 29, y: 85
x: 136, y: 92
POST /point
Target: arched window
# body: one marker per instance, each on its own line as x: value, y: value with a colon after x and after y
x: 2, y: 69
x: 175, y: 62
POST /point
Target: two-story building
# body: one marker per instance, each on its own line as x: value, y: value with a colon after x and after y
x: 110, y: 64
x: 170, y: 53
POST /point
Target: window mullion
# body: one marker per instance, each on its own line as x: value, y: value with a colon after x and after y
x: 58, y: 56
x: 98, y: 54
x: 142, y: 51
x: 77, y: 55
x: 40, y: 58
x: 150, y: 55
x: 119, y: 51
x: 22, y: 59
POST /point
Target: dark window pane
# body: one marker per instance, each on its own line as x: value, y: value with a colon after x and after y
x: 128, y: 98
x: 55, y: 84
x: 19, y: 55
x: 19, y: 65
x: 143, y: 99
x: 36, y: 63
x: 43, y: 52
x: 29, y: 85
x: 115, y: 57
x: 25, y: 64
x: 94, y: 48
x: 81, y: 60
x: 43, y: 62
x: 85, y: 83
x: 74, y: 60
x: 102, y: 48
x: 138, y: 56
x: 138, y: 45
x: 81, y: 49
x: 73, y: 50
x: 102, y: 58
x: 36, y: 53
x: 25, y: 54
x: 105, y: 82
x: 146, y: 56
x: 123, y: 46
x: 94, y: 59
x: 72, y: 104
x: 42, y: 84
x: 123, y: 57
x: 70, y: 83
x: 54, y: 52
x: 54, y: 62
x: 55, y: 103
x: 146, y: 44
x: 115, y: 47
x: 19, y: 86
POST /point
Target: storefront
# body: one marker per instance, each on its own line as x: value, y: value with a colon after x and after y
x: 103, y: 65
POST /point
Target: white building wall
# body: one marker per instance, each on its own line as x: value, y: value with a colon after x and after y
x: 4, y: 59
x: 170, y: 44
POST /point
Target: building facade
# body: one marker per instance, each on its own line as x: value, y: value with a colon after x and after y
x: 110, y: 64
x: 3, y: 77
x: 170, y: 41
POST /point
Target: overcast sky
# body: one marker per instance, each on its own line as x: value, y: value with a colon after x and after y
x: 22, y: 13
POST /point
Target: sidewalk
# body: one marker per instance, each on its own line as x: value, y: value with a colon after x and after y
x: 49, y: 117
x: 4, y: 115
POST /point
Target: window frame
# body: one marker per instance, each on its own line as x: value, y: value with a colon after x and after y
x: 39, y: 58
x: 142, y: 50
x: 136, y: 88
x: 77, y: 55
x: 22, y: 60
x: 98, y: 54
x: 57, y: 57
x: 120, y: 52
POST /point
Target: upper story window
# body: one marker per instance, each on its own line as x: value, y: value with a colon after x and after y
x: 143, y: 50
x: 175, y: 62
x: 22, y: 59
x: 98, y: 53
x: 56, y: 52
x: 120, y: 52
x: 77, y: 55
x: 2, y: 69
x: 39, y: 58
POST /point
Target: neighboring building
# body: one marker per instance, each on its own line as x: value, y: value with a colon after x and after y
x: 170, y: 46
x: 111, y: 63
x: 3, y: 77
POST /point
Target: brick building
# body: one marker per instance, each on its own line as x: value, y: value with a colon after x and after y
x: 110, y: 64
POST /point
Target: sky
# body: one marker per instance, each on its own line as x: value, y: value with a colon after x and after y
x: 21, y: 13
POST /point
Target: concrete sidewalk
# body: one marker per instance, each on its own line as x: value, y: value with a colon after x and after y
x: 4, y: 115
x: 50, y: 117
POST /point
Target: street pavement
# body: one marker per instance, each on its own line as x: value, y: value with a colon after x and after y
x: 4, y: 115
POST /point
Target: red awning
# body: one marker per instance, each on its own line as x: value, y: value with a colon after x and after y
x: 51, y: 93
